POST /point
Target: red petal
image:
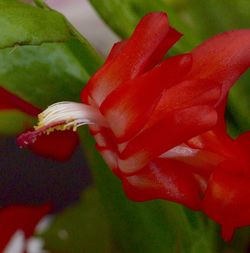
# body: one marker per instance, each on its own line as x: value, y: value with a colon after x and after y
x: 200, y: 162
x: 175, y: 128
x: 143, y: 50
x: 219, y: 142
x: 244, y: 141
x: 183, y: 95
x: 105, y: 143
x: 227, y: 199
x: 161, y: 179
x: 115, y: 51
x: 172, y: 37
x: 57, y: 145
x: 223, y: 58
x: 11, y: 101
x: 25, y: 218
x: 129, y: 106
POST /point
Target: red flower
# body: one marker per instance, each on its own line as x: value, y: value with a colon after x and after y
x: 19, y: 218
x: 58, y: 146
x: 160, y: 125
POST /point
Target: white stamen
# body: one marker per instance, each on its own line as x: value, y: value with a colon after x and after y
x: 62, y: 116
x: 71, y: 114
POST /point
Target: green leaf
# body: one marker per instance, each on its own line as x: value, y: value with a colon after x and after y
x: 48, y: 73
x: 82, y: 227
x: 212, y: 17
x: 24, y: 24
x: 13, y: 122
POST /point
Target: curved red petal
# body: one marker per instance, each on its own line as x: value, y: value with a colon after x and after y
x: 161, y: 179
x: 227, y: 198
x: 223, y: 58
x: 200, y: 162
x: 57, y: 145
x: 115, y: 51
x: 172, y: 37
x: 174, y: 129
x: 106, y: 145
x: 183, y: 95
x: 10, y: 101
x: 219, y: 142
x: 143, y: 50
x: 244, y: 141
x: 129, y: 106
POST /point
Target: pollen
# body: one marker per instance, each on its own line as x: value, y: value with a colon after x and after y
x: 60, y: 117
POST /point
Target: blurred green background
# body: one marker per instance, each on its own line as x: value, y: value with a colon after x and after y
x: 104, y: 221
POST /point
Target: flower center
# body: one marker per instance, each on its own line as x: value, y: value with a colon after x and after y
x: 62, y: 116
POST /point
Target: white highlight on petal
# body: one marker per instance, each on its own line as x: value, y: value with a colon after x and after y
x: 110, y: 158
x: 100, y: 140
x: 16, y: 243
x: 44, y: 224
x: 167, y: 182
x: 122, y: 146
x: 133, y: 163
x: 180, y: 151
x: 35, y: 245
x: 139, y: 160
x: 71, y: 115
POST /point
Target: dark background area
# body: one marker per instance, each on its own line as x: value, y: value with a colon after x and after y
x: 27, y: 178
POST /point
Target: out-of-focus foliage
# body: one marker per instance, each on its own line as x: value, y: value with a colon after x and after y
x: 13, y: 122
x: 48, y: 73
x: 23, y: 24
x: 81, y: 228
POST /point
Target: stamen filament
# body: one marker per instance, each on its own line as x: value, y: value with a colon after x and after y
x: 63, y: 116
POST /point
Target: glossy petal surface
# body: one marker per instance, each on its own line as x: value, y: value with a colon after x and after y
x: 145, y: 48
x: 162, y: 179
x: 128, y: 108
